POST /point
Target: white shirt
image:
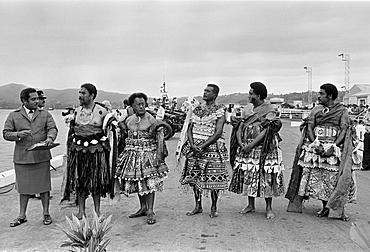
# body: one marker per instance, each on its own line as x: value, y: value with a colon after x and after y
x: 30, y: 115
x: 160, y: 113
x: 123, y: 116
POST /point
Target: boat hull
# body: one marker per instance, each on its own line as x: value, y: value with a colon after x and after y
x: 7, y: 178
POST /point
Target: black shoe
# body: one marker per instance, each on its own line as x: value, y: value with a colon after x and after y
x: 47, y: 219
x: 323, y: 213
x: 18, y: 221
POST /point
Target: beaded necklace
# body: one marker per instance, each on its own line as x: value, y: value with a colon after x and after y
x: 86, y: 115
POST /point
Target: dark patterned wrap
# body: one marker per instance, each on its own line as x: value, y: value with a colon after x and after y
x: 234, y: 142
x: 340, y: 195
x: 296, y: 175
x: 111, y: 131
x: 252, y: 126
x: 334, y: 172
x: 268, y: 146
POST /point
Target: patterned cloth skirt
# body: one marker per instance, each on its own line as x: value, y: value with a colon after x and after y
x: 137, y: 167
x: 320, y: 183
x: 249, y: 180
x: 206, y: 172
x: 320, y: 174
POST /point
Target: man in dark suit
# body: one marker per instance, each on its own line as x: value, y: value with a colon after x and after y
x: 26, y: 126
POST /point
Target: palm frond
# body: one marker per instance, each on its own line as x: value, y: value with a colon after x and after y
x: 360, y: 233
x: 87, y: 235
x: 66, y: 244
x: 70, y: 223
x: 85, y: 228
x: 76, y: 221
x: 104, y: 245
x: 71, y: 234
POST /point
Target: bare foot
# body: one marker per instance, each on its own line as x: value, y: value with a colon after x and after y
x: 213, y: 213
x: 195, y: 211
x: 79, y: 215
x: 344, y: 217
x: 248, y: 209
x: 150, y: 219
x: 270, y: 214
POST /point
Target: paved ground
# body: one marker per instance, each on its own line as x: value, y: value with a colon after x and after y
x: 174, y: 231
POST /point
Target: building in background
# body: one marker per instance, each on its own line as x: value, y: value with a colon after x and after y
x: 359, y: 94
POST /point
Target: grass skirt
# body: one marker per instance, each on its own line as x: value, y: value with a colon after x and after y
x: 88, y: 171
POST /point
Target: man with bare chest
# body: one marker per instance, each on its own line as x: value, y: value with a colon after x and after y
x: 88, y: 168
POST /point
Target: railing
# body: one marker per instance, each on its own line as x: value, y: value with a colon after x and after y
x: 294, y: 113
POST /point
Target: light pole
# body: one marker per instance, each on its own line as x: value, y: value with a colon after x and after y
x: 309, y: 81
x: 345, y: 58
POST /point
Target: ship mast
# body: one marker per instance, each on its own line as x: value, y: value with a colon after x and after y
x: 163, y: 87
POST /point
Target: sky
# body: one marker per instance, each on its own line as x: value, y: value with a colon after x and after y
x: 131, y: 46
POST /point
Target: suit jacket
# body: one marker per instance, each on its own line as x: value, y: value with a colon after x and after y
x: 42, y: 126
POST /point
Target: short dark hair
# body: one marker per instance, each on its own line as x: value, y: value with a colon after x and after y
x: 330, y: 89
x: 259, y: 89
x: 90, y: 88
x: 137, y: 95
x: 216, y: 89
x: 25, y: 93
x: 125, y: 102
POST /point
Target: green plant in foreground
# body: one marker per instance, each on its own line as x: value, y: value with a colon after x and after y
x: 87, y: 236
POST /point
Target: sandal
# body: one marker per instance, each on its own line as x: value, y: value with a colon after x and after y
x: 47, y: 219
x: 323, y: 213
x: 139, y: 213
x: 151, y: 220
x: 213, y: 214
x: 18, y: 221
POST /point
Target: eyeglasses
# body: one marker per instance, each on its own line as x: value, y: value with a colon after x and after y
x: 42, y: 98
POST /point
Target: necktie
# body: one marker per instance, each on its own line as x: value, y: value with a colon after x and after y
x: 30, y: 114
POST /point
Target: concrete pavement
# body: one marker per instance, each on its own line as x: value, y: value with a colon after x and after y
x: 174, y: 231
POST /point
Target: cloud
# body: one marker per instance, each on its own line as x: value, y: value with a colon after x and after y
x: 130, y: 46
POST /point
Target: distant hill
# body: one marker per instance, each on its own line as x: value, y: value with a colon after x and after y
x: 60, y: 99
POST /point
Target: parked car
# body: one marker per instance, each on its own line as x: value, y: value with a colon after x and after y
x: 173, y: 121
x: 175, y: 118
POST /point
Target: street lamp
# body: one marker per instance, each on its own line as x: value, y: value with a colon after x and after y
x: 345, y: 58
x: 309, y: 81
x: 345, y: 93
